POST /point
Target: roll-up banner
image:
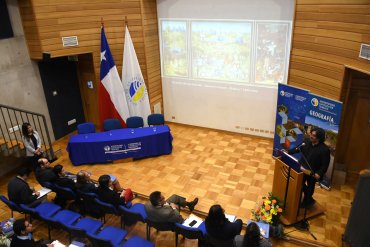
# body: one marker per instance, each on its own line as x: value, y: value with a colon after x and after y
x: 298, y: 111
x: 290, y: 116
x: 325, y: 113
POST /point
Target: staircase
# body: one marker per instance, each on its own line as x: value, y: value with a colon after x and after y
x: 12, y: 151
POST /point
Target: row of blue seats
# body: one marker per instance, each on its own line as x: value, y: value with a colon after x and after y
x: 113, y: 123
x: 133, y: 214
x: 76, y: 225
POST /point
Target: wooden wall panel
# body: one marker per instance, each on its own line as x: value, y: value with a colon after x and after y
x: 30, y: 29
x: 45, y: 22
x: 153, y: 64
x: 327, y: 36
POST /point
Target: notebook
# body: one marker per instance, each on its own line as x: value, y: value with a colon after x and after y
x: 43, y: 191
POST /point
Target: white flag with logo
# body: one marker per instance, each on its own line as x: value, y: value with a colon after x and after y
x: 133, y: 82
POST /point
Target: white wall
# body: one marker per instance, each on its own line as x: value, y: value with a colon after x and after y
x: 20, y: 82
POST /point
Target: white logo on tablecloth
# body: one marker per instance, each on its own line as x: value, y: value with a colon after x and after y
x: 121, y: 148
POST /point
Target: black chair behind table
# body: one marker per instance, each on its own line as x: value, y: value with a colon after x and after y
x: 86, y: 128
x: 111, y: 124
x: 189, y: 233
x: 159, y: 226
x: 134, y: 122
x: 155, y: 119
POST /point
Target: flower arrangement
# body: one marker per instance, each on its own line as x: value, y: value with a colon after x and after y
x: 268, y: 210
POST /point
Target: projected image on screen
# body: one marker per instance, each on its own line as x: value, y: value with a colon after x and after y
x: 271, y: 52
x: 174, y: 48
x: 221, y: 50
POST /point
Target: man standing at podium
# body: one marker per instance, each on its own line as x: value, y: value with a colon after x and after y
x: 314, y: 162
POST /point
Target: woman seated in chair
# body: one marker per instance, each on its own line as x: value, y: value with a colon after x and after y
x: 219, y: 227
x: 252, y: 238
x: 107, y: 194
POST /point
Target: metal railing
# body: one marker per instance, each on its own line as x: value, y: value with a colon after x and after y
x: 11, y: 120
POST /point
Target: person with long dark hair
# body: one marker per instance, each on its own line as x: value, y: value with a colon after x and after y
x: 219, y: 227
x: 32, y: 143
x: 315, y: 161
x: 252, y: 238
x: 107, y: 194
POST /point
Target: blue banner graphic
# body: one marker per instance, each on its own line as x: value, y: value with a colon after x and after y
x: 290, y: 117
x: 325, y: 113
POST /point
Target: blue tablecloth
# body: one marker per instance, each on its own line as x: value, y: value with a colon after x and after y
x: 119, y: 144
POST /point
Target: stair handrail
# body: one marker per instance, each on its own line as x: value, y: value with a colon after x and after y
x: 51, y: 150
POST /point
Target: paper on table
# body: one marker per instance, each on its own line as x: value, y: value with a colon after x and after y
x: 43, y: 191
x: 190, y: 219
x: 230, y: 217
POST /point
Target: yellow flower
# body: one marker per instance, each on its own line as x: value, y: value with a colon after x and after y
x: 267, y: 202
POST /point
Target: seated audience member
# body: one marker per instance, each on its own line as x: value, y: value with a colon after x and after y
x: 252, y: 238
x: 23, y: 235
x: 84, y: 183
x: 160, y: 210
x: 219, y: 227
x: 107, y: 194
x: 44, y: 173
x: 61, y: 178
x: 19, y: 190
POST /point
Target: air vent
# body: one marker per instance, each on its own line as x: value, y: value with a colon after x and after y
x: 70, y: 41
x: 365, y: 51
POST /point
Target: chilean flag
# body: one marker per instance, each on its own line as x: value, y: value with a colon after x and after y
x: 112, y: 98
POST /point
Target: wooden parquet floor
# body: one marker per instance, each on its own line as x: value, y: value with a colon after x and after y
x: 230, y: 169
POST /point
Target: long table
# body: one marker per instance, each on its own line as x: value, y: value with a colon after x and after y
x: 112, y: 145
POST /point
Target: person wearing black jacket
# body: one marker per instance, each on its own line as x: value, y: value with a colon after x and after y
x: 19, y: 190
x: 106, y: 194
x: 84, y: 183
x: 315, y: 160
x: 219, y: 227
x: 44, y: 172
x: 23, y: 238
x: 61, y: 178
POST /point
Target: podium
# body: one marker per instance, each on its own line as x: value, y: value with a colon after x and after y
x: 287, y: 185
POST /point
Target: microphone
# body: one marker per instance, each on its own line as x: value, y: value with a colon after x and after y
x: 300, y: 145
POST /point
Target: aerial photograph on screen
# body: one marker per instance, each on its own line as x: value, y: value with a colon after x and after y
x: 174, y: 48
x: 271, y: 56
x: 221, y: 50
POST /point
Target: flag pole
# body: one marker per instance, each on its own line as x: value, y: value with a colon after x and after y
x: 102, y: 22
x: 126, y: 21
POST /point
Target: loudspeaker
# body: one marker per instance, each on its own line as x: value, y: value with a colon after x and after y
x: 357, y: 228
x: 46, y: 57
